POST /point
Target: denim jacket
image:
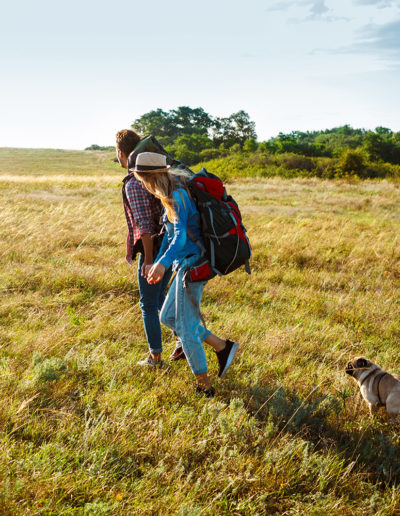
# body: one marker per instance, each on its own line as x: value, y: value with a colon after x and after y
x: 177, y: 244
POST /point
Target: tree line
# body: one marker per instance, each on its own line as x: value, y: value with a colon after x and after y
x: 192, y: 135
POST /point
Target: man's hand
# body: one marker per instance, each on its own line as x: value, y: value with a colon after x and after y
x: 148, y: 267
x: 145, y: 268
x: 156, y: 273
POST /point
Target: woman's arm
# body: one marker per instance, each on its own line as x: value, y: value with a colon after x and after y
x: 168, y: 253
x: 163, y: 247
x: 167, y: 256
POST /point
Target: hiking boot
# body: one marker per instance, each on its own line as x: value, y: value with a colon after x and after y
x: 149, y: 362
x: 226, y: 356
x: 178, y: 354
x: 208, y: 393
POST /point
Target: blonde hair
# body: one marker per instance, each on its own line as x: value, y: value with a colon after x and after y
x: 162, y: 186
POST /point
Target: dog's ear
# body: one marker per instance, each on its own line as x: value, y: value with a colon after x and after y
x: 362, y: 362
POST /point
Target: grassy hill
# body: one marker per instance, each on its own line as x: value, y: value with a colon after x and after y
x: 84, y: 431
x: 56, y: 161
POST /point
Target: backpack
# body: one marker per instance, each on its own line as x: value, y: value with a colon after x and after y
x: 226, y: 244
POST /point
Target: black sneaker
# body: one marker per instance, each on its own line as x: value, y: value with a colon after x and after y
x: 208, y: 393
x: 178, y: 354
x: 226, y: 356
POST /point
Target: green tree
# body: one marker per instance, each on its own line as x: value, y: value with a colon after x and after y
x: 170, y: 125
x: 191, y: 121
x: 250, y: 145
x: 374, y: 146
x: 194, y: 142
x: 236, y: 128
x: 188, y: 147
x: 384, y: 132
x: 158, y: 123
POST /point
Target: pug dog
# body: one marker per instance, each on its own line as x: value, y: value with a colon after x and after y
x: 378, y: 388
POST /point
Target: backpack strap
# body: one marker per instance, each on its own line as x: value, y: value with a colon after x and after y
x: 191, y: 235
x: 196, y: 241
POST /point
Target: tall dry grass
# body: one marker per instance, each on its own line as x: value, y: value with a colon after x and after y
x: 85, y: 431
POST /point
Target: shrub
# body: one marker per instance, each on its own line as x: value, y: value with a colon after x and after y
x: 325, y: 167
x: 47, y: 369
x: 351, y: 162
x: 297, y: 162
x: 380, y: 170
x: 208, y: 154
x: 235, y: 148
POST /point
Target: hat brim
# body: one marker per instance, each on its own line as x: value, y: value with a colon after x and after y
x: 152, y: 171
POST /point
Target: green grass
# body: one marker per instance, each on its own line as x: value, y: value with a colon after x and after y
x: 84, y: 431
x: 17, y: 162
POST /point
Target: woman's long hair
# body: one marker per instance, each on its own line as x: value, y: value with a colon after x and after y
x: 162, y: 185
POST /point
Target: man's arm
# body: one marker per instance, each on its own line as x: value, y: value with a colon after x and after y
x: 140, y: 201
x: 147, y: 242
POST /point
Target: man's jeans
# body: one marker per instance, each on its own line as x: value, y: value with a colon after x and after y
x: 151, y: 300
x: 179, y: 314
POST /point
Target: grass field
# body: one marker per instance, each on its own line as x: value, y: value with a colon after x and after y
x: 84, y: 431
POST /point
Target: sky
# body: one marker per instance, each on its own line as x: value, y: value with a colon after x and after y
x: 74, y: 73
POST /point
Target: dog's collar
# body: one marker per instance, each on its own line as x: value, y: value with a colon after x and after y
x: 377, y: 386
x: 366, y: 377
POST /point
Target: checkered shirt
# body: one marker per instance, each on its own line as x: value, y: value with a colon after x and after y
x: 142, y: 212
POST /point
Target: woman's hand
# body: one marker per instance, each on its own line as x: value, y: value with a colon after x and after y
x: 156, y: 273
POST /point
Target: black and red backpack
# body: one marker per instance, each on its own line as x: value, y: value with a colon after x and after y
x: 226, y: 244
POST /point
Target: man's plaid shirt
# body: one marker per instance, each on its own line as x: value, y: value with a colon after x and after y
x: 142, y: 212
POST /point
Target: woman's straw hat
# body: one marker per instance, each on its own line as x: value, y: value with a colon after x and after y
x: 151, y: 162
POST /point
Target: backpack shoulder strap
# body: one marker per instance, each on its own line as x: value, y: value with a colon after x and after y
x: 190, y: 233
x: 196, y: 241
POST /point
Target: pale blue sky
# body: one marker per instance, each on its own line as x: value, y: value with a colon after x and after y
x: 73, y: 73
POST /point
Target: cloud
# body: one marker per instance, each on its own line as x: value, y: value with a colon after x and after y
x: 280, y: 6
x: 382, y: 4
x: 287, y: 4
x: 382, y: 41
x: 381, y: 38
x: 318, y: 10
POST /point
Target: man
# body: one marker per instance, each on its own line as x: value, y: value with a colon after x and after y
x: 143, y: 214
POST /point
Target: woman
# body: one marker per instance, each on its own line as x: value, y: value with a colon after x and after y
x: 179, y: 312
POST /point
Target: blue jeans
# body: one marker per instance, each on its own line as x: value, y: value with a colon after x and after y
x: 179, y: 314
x: 151, y: 300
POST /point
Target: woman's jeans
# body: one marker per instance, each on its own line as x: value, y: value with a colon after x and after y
x: 151, y: 300
x: 179, y: 314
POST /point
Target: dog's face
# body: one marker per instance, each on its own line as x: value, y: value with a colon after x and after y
x: 358, y: 365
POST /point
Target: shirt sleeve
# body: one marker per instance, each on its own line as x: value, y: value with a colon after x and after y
x: 163, y: 247
x: 180, y: 234
x: 141, y: 204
